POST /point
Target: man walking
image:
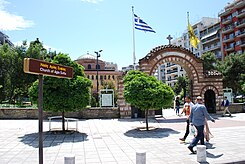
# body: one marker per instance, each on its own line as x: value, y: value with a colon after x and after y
x: 187, y: 110
x: 225, y: 103
x: 197, y: 118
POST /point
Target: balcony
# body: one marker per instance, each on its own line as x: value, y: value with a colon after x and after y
x: 228, y: 29
x: 228, y: 39
x: 212, y: 48
x: 241, y: 24
x: 227, y: 20
x: 225, y: 12
x: 230, y: 48
x: 211, y: 39
x: 241, y: 34
x: 242, y: 44
x: 213, y: 36
x: 240, y: 4
x: 241, y: 14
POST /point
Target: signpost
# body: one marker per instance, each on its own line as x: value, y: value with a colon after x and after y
x: 107, y: 99
x: 40, y: 68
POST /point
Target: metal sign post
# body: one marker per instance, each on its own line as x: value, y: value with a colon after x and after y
x: 40, y: 68
x: 40, y: 117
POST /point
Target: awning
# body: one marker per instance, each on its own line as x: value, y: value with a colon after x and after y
x: 210, y: 34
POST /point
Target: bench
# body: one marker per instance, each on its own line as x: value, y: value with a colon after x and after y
x: 66, y: 119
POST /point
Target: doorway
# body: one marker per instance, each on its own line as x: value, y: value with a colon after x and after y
x: 210, y: 101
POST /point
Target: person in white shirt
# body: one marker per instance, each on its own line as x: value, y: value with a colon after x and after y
x: 187, y: 110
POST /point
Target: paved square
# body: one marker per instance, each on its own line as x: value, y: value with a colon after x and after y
x: 116, y: 141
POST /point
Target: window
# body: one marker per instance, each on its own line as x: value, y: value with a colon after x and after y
x: 98, y: 66
x: 234, y: 14
x: 89, y: 66
x: 101, y: 77
x: 113, y: 77
x: 92, y: 77
x: 88, y: 76
x: 105, y: 77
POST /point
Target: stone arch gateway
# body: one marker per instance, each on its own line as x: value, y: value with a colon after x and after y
x: 193, y: 66
x: 204, y: 85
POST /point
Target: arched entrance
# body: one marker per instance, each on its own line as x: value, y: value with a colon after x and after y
x: 210, y: 101
x: 193, y: 66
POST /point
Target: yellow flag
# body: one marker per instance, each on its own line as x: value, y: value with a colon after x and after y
x: 193, y: 39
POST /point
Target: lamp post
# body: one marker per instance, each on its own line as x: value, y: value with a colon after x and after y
x: 97, y: 71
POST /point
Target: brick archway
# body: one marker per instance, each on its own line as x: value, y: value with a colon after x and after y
x: 193, y: 66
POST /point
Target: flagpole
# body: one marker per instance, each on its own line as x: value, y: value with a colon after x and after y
x: 188, y: 30
x: 134, y: 57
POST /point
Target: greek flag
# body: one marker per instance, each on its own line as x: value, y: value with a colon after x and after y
x: 141, y: 25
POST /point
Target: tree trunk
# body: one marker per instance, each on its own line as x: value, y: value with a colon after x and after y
x: 146, y: 119
x: 63, y: 121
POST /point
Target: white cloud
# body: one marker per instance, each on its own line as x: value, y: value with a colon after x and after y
x: 92, y: 1
x: 11, y: 21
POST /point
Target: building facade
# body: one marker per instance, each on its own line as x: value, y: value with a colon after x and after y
x: 107, y: 71
x: 233, y: 27
x: 211, y: 40
x: 169, y: 72
x: 5, y: 39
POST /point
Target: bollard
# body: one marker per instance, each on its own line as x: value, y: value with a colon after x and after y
x: 70, y: 159
x: 201, y: 153
x: 141, y: 157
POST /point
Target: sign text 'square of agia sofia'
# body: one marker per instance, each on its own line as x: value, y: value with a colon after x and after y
x: 40, y: 67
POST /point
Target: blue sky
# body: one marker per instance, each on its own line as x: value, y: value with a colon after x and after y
x: 80, y: 26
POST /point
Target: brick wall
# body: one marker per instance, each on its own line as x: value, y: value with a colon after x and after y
x: 21, y: 113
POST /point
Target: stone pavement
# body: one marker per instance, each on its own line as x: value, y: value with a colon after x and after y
x: 116, y: 141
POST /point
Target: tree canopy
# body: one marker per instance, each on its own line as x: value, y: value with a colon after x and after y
x: 210, y: 61
x: 14, y: 81
x: 233, y: 70
x: 65, y: 94
x: 146, y: 92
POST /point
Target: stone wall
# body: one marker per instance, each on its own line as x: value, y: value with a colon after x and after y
x: 236, y: 108
x: 27, y: 113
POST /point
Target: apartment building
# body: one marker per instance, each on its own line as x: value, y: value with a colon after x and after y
x: 5, y: 39
x: 169, y: 72
x: 233, y: 27
x: 211, y: 40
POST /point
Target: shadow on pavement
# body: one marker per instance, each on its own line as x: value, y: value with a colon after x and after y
x: 141, y: 120
x: 210, y: 155
x: 53, y: 138
x: 154, y: 133
x: 171, y: 120
x: 209, y: 145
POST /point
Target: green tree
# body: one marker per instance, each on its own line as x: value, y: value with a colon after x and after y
x: 210, y: 61
x: 233, y: 71
x: 182, y: 85
x: 14, y: 81
x: 63, y: 95
x: 146, y: 92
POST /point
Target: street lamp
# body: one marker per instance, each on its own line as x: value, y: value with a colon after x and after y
x: 97, y: 71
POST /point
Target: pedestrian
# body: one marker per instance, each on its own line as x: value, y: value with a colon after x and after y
x: 177, y: 105
x: 225, y: 103
x: 197, y: 118
x: 187, y: 110
x: 207, y: 133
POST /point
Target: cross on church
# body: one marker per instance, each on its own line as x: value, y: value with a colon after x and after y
x: 169, y: 39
